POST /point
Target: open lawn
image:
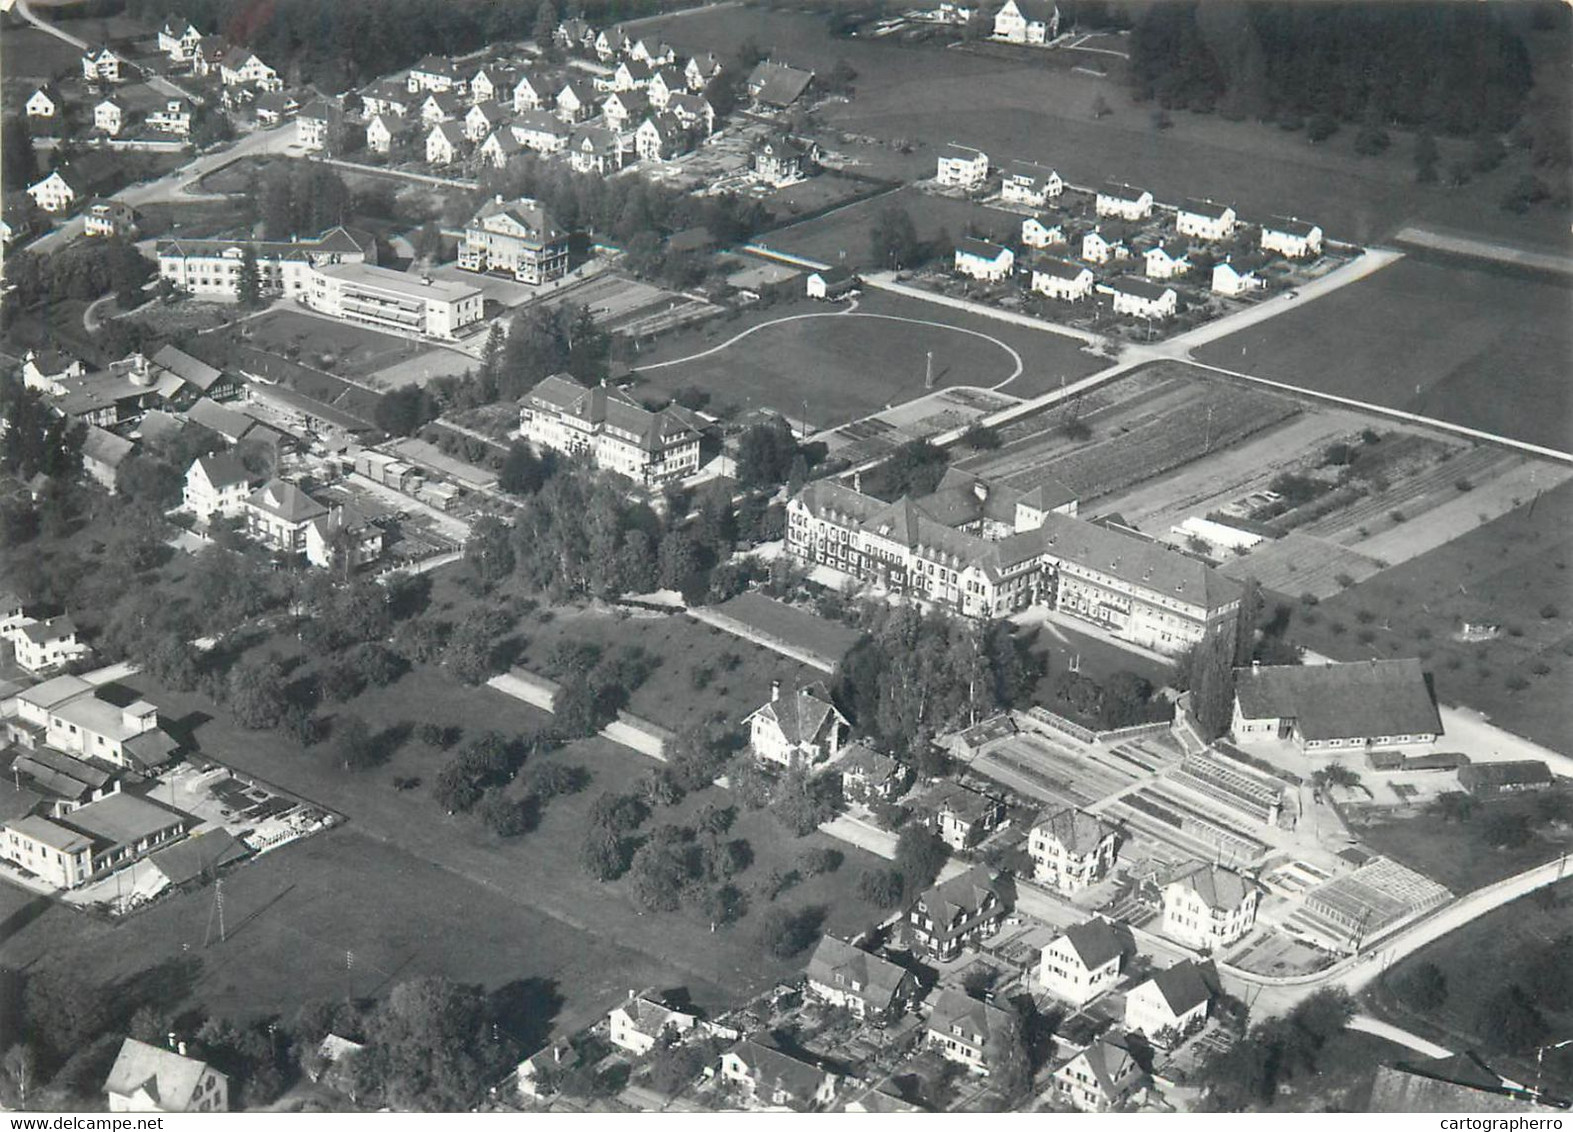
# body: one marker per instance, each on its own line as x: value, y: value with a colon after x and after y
x: 1478, y: 960
x: 1480, y: 348
x: 1511, y: 573
x: 829, y: 640
x: 843, y: 235
x: 847, y: 367
x: 352, y: 351
x: 27, y: 53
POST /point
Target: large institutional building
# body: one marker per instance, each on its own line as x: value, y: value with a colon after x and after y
x: 210, y: 269
x: 518, y: 237
x: 615, y: 431
x: 986, y: 550
x: 393, y: 300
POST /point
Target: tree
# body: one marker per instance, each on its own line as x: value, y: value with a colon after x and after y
x: 1100, y: 107
x: 249, y: 283
x: 1010, y: 1070
x: 765, y: 453
x: 920, y: 854
x: 882, y: 888
x: 522, y: 472
x: 1425, y: 157
x: 1320, y: 127
x: 801, y: 803
x: 545, y: 25
x: 353, y: 743
x: 489, y: 549
x: 256, y: 692
x: 1488, y: 151
x: 1212, y: 683
x: 20, y: 1065
x: 893, y: 238
x: 18, y: 161
x: 1510, y: 1020
x: 603, y: 854
x: 432, y: 1047
x: 783, y: 933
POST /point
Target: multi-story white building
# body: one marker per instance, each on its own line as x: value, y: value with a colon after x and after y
x: 616, y: 432
x: 983, y: 550
x: 1205, y: 220
x: 42, y: 647
x: 983, y: 260
x: 643, y: 1021
x: 102, y: 65
x: 67, y: 715
x: 1116, y: 198
x: 1209, y: 906
x: 1071, y: 850
x: 246, y: 69
x: 962, y: 166
x: 1081, y: 963
x: 179, y: 39
x: 1171, y: 1004
x: 802, y: 729
x: 210, y: 269
x: 110, y: 115
x: 217, y: 485
x: 1027, y: 21
x: 1027, y: 183
x: 518, y: 237
x: 1288, y: 236
x: 1140, y: 298
x: 434, y: 73
x: 277, y: 515
x: 392, y: 300
x: 1061, y: 279
x: 173, y: 118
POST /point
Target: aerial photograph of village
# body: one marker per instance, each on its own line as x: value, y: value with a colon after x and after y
x: 797, y: 556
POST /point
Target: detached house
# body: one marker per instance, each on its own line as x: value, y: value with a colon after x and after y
x: 344, y: 539
x: 693, y: 111
x: 631, y: 74
x: 575, y: 100
x: 1171, y: 1004
x: 639, y: 1024
x: 493, y: 84
x: 1030, y: 184
x: 1027, y: 21
x: 383, y: 130
x: 659, y: 137
x: 1105, y: 244
x: 45, y: 102
x: 1071, y: 850
x: 1166, y: 261
x: 595, y: 149
x: 1286, y: 235
x: 482, y: 119
x: 179, y: 39
x: 663, y: 84
x: 779, y: 161
x: 1104, y: 1077
x: 216, y: 485
x: 518, y: 237
x: 102, y: 65
x: 1209, y: 906
x: 1036, y: 234
x: 249, y: 70
x: 1139, y: 298
x: 1205, y: 219
x: 956, y: 913
x: 102, y: 454
x: 1082, y: 962
x: 965, y: 1030
x: 42, y: 647
x: 499, y: 148
x: 831, y: 283
x: 107, y: 217
x: 868, y: 776
x: 775, y: 1078
x: 962, y: 166
x: 776, y: 86
x: 110, y: 116
x: 611, y: 43
x: 1061, y: 279
x: 1116, y: 198
x: 433, y: 73
x: 844, y: 975
x: 1229, y: 279
x: 149, y: 1078
x: 278, y: 514
x: 983, y: 260
x: 963, y: 817
x: 445, y: 144
x: 700, y: 70
x: 623, y: 106
x: 540, y: 131
x: 442, y: 106
x: 313, y: 123
x: 800, y: 729
x: 173, y: 118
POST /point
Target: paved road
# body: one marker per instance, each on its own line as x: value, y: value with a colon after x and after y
x: 1369, y: 1025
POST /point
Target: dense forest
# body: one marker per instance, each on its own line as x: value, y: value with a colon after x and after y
x: 1456, y: 69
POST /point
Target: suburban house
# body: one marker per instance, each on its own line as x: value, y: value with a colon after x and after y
x: 173, y: 118
x: 1231, y: 280
x: 700, y: 70
x: 968, y: 1031
x: 483, y: 118
x: 247, y: 69
x: 385, y: 98
x: 1104, y: 244
x: 575, y: 100
x: 106, y: 217
x: 983, y: 260
x: 541, y: 131
x: 1140, y: 298
x: 1288, y: 236
x: 442, y: 106
x: 775, y: 85
x: 47, y: 370
x: 611, y: 43
x: 660, y: 137
x: 382, y: 130
x: 150, y: 1078
x: 596, y: 149
x: 614, y: 430
x: 46, y: 646
x: 209, y: 54
x: 1082, y: 962
x: 313, y: 123
x: 663, y: 84
x: 631, y: 74
x: 1071, y: 850
x: 800, y: 729
x: 1205, y: 219
x: 216, y: 485
x: 776, y: 1079
x: 831, y: 283
x: 1116, y: 198
x: 343, y: 539
x: 102, y: 454
x: 624, y: 106
x: 962, y: 166
x: 101, y: 65
x: 532, y: 93
x: 1172, y: 1004
x: 45, y: 102
x: 277, y: 515
x: 1025, y: 182
x: 445, y: 144
x: 1330, y: 707
x: 963, y: 817
x: 1512, y: 777
x: 868, y: 776
x: 1027, y: 21
x: 779, y: 161
x: 1036, y: 234
x: 639, y: 1024
x: 179, y: 39
x: 956, y: 913
x: 60, y: 188
x: 518, y: 237
x: 493, y: 84
x: 110, y: 115
x: 983, y: 549
x: 1104, y: 1077
x: 843, y: 974
x: 1061, y: 279
x: 433, y: 73
x: 1166, y: 261
x: 1209, y: 906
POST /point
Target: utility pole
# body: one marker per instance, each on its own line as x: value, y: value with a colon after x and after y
x: 928, y: 373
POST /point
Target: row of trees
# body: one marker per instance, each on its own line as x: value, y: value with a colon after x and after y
x: 84, y: 270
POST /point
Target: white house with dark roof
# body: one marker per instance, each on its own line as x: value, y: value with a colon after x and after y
x: 100, y: 64
x: 518, y: 237
x: 802, y: 728
x: 610, y: 427
x: 173, y: 117
x: 433, y: 73
x: 1166, y: 261
x: 179, y: 39
x: 1327, y: 708
x: 1025, y: 182
x: 344, y: 539
x: 1103, y: 244
x: 961, y: 166
x: 1062, y: 279
x: 483, y: 118
x: 1171, y: 1004
x: 65, y: 714
x: 46, y: 646
x: 776, y: 1079
x: 1027, y: 21
x: 217, y: 485
x: 843, y: 974
x: 1205, y: 219
x: 1104, y: 1077
x: 1037, y: 234
x: 832, y: 282
x: 1071, y: 850
x: 575, y: 100
x: 445, y: 144
x: 277, y: 515
x: 1292, y: 237
x: 1116, y: 198
x: 539, y: 131
x: 983, y: 260
x: 150, y: 1078
x: 44, y: 102
x: 965, y: 1030
x: 623, y: 106
x: 868, y: 776
x: 641, y: 1022
x: 110, y: 115
x: 956, y: 913
x: 1082, y: 962
x: 693, y: 111
x: 963, y: 816
x: 701, y: 69
x: 532, y: 92
x: 1232, y: 280
x: 247, y: 69
x: 778, y: 161
x: 1209, y: 906
x: 493, y: 84
x: 664, y: 83
x: 596, y: 149
x: 1139, y: 298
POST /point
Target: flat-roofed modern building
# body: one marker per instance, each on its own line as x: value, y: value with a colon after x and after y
x: 392, y: 300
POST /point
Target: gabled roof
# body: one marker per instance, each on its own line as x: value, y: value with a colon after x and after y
x: 877, y: 980
x: 952, y: 152
x: 1217, y: 886
x: 50, y: 629
x: 46, y: 832
x: 452, y: 132
x: 1030, y: 172
x: 1141, y: 288
x: 776, y: 1070
x: 979, y: 1022
x: 1197, y: 206
x: 776, y: 84
x: 1137, y: 561
x: 1037, y: 11
x: 1077, y: 831
x: 525, y: 212
x: 860, y: 759
x: 1119, y: 190
x: 223, y: 470
x: 1290, y: 226
x: 1093, y: 942
x: 800, y: 716
x: 965, y: 893
x: 55, y: 691
x: 539, y: 122
x: 614, y: 408
x: 1112, y: 1067
x: 104, y: 447
x: 226, y: 422
x: 1336, y: 701
x: 169, y: 1079
x: 652, y: 1017
x: 1183, y: 986
x: 970, y: 245
x: 1060, y: 268
x: 187, y: 368
x: 201, y: 853
x: 1517, y: 772
x: 287, y: 502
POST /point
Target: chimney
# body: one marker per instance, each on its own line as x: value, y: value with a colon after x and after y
x: 775, y: 690
x: 1255, y: 665
x: 180, y: 1048
x: 172, y: 1039
x: 981, y: 490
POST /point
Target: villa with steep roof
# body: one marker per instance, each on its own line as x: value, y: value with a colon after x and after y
x: 1101, y: 1078
x: 771, y: 1077
x: 956, y: 913
x: 1171, y: 1004
x: 149, y: 1078
x: 1071, y: 850
x: 1023, y: 549
x: 518, y: 237
x: 968, y: 1031
x: 640, y: 1023
x: 843, y: 974
x: 800, y: 729
x: 1209, y: 906
x: 1027, y: 21
x: 1082, y: 962
x: 277, y: 515
x: 612, y: 429
x: 868, y: 776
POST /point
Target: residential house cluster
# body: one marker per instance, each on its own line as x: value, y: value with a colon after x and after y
x: 279, y: 515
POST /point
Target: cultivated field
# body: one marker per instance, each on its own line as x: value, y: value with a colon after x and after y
x: 1141, y: 426
x: 1480, y: 348
x: 1511, y: 573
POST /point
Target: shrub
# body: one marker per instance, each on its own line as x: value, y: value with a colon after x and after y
x: 1396, y: 515
x: 1516, y: 682
x: 1344, y: 580
x: 1364, y: 616
x: 1550, y: 612
x: 1463, y: 484
x: 1365, y: 636
x: 1337, y: 628
x: 1540, y: 668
